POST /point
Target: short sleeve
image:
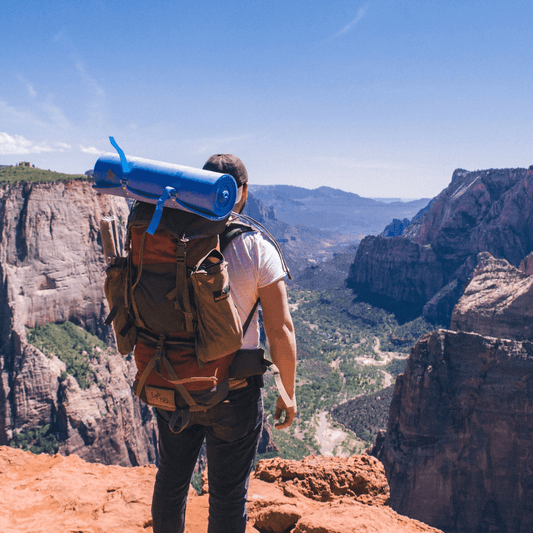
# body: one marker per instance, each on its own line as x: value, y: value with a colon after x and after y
x: 269, y: 267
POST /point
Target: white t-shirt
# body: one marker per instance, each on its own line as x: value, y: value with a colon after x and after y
x: 253, y: 263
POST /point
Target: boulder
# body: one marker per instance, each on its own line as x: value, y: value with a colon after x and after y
x: 321, y: 478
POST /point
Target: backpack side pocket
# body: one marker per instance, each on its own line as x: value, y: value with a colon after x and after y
x: 219, y: 330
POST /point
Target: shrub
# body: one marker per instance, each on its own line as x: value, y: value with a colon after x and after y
x: 34, y: 175
x: 38, y: 440
x: 70, y: 343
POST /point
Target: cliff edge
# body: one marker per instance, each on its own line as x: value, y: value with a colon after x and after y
x: 43, y: 493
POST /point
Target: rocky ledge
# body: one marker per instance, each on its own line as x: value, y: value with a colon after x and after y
x: 42, y: 493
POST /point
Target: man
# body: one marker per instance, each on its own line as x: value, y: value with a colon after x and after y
x: 233, y: 427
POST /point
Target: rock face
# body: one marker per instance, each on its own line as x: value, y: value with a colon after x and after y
x: 50, y: 253
x: 52, y: 493
x: 411, y: 273
x: 457, y: 450
x: 498, y: 302
x: 490, y: 210
x: 52, y: 271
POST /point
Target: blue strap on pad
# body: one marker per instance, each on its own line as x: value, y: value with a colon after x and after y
x: 126, y: 168
x: 156, y: 218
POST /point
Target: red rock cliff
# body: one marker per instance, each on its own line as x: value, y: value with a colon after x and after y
x: 52, y: 270
x: 458, y: 445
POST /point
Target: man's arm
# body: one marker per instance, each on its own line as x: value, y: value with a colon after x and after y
x: 279, y: 330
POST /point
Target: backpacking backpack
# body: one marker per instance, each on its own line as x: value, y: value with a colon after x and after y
x: 171, y: 304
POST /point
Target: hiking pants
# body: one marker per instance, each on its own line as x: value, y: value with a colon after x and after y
x: 231, y: 429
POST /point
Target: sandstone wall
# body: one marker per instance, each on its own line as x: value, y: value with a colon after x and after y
x: 50, y: 252
x: 457, y: 451
x: 52, y: 270
x: 498, y: 301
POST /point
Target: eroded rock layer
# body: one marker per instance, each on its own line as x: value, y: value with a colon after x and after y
x: 498, y: 301
x: 52, y: 271
x: 457, y: 451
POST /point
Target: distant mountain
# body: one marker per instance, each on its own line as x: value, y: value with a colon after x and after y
x: 334, y: 210
x: 306, y: 248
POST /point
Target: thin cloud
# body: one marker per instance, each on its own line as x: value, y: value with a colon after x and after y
x: 32, y: 92
x: 55, y: 113
x: 97, y: 108
x: 14, y: 115
x: 360, y: 14
x: 17, y: 144
x: 61, y: 147
x: 45, y: 107
x: 90, y: 150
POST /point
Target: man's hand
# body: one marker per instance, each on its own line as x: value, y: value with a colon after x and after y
x: 290, y: 413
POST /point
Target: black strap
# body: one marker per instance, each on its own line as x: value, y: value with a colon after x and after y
x: 249, y: 319
x: 233, y: 230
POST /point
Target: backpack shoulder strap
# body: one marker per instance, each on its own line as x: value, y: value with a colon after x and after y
x: 256, y: 226
x: 231, y: 231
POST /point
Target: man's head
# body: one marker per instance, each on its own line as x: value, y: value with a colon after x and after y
x: 232, y: 165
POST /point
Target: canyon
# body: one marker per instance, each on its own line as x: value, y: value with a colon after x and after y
x: 456, y: 451
x: 426, y: 268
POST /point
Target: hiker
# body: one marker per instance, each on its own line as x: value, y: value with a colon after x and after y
x: 231, y: 428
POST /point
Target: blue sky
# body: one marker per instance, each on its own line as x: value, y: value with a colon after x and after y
x: 384, y: 98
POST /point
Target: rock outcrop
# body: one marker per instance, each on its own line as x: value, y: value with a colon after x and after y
x: 490, y: 210
x: 457, y: 450
x: 52, y: 493
x: 498, y: 302
x: 395, y: 228
x: 52, y: 271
